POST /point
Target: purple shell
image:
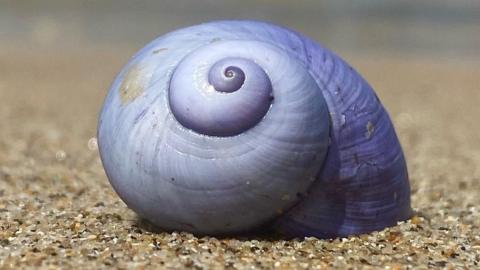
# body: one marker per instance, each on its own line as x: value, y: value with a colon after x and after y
x: 227, y: 126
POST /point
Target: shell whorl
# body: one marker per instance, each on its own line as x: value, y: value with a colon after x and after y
x: 225, y: 126
x: 213, y: 93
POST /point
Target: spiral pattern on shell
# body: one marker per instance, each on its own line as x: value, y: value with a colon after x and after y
x: 225, y: 95
x: 226, y: 126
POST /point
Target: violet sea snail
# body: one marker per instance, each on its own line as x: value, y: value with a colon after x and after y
x: 228, y: 126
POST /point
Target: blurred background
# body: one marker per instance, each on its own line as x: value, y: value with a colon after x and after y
x: 432, y: 27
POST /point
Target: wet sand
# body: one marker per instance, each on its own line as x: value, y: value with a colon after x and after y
x: 57, y: 209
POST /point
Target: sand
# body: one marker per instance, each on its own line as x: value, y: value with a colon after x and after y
x: 57, y: 209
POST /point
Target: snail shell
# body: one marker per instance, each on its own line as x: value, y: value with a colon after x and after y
x: 227, y: 126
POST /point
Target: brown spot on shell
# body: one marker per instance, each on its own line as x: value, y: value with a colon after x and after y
x: 133, y: 84
x: 370, y: 129
x: 356, y: 159
x: 159, y: 50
